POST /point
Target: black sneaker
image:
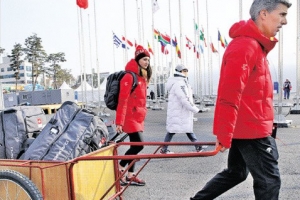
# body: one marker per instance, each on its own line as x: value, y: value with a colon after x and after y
x: 166, y: 151
x: 199, y: 149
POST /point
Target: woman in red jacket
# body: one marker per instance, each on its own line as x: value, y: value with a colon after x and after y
x: 131, y: 110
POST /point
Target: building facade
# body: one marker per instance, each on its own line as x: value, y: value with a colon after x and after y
x: 7, y: 75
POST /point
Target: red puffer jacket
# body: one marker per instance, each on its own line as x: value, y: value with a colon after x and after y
x: 131, y: 110
x: 244, y: 107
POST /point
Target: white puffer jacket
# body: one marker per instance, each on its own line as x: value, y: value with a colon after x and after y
x: 181, y: 108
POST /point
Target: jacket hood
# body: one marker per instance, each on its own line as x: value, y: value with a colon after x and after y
x: 249, y: 29
x: 172, y: 80
x: 132, y: 66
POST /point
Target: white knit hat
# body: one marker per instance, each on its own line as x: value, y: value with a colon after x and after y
x: 180, y: 67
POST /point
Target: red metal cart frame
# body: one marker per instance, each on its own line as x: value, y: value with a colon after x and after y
x: 92, y: 176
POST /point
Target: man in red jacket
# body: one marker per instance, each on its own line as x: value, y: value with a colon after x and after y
x: 244, y: 115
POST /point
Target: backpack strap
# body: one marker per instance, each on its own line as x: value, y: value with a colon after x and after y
x: 135, y: 81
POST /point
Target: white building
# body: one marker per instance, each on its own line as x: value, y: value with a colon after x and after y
x: 7, y: 75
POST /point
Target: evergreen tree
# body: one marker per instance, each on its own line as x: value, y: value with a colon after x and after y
x: 16, y: 61
x: 55, y: 59
x: 36, y: 56
x: 1, y: 50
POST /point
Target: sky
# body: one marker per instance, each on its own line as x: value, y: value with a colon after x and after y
x: 86, y: 35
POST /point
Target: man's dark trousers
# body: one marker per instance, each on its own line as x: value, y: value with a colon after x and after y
x: 257, y: 156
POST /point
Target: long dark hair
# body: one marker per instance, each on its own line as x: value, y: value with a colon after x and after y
x: 148, y: 71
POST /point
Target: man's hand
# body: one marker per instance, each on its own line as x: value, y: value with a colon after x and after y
x: 223, y: 148
x: 119, y: 129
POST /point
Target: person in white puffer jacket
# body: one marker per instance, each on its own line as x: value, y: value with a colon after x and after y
x: 181, y: 108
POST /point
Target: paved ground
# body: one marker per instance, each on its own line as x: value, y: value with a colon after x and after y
x: 181, y: 178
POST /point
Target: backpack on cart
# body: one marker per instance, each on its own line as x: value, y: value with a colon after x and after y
x: 111, y: 95
x: 70, y: 133
x: 18, y: 125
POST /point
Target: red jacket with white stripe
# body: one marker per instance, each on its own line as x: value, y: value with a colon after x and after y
x: 131, y: 110
x: 244, y: 106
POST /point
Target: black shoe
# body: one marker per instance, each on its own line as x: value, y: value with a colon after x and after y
x: 199, y: 149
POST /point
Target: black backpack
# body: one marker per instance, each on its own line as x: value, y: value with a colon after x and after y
x: 111, y: 95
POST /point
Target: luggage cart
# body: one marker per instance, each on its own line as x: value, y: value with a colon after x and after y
x: 92, y: 176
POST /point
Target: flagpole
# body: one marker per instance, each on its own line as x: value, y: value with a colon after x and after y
x: 114, y: 56
x: 90, y: 52
x: 80, y: 48
x: 180, y: 32
x: 138, y: 20
x: 124, y: 17
x: 170, y: 21
x: 83, y: 57
x: 240, y: 9
x: 298, y: 58
x: 0, y: 37
x: 208, y: 53
x: 279, y: 117
x: 142, y: 17
x: 97, y: 58
x: 199, y: 60
x: 154, y: 57
x: 195, y: 87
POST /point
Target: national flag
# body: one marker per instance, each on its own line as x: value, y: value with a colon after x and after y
x: 188, y: 42
x: 201, y: 48
x: 164, y: 50
x: 156, y: 34
x: 127, y: 41
x: 220, y: 38
x: 226, y: 44
x: 205, y: 42
x: 202, y: 36
x: 135, y: 44
x: 116, y: 40
x: 196, y: 28
x: 150, y: 49
x: 178, y: 51
x: 175, y: 44
x: 188, y: 39
x: 165, y: 39
x: 213, y: 48
x: 82, y: 3
x: 155, y: 6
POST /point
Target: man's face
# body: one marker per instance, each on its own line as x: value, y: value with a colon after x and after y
x: 274, y: 20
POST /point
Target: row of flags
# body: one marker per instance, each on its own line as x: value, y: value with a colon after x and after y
x: 166, y: 40
x: 126, y: 44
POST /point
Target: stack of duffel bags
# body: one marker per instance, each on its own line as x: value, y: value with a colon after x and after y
x: 19, y: 126
x: 71, y: 132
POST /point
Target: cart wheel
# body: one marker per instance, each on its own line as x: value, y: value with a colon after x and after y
x: 14, y: 185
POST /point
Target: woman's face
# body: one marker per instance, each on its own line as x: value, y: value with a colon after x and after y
x: 144, y: 62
